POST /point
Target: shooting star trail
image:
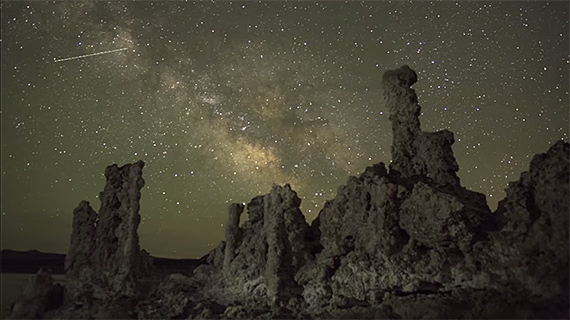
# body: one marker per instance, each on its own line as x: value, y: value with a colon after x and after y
x: 88, y: 55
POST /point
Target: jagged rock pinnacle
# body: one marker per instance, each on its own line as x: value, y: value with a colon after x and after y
x: 263, y: 255
x: 415, y: 152
x: 104, y: 257
x: 78, y: 262
x: 232, y: 232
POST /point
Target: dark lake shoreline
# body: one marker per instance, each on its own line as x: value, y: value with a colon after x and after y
x: 17, y: 267
x: 29, y: 262
x: 12, y: 287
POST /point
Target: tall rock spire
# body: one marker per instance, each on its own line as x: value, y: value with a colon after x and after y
x: 415, y: 152
x: 117, y: 249
x: 104, y: 258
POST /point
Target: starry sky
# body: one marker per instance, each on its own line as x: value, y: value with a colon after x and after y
x: 223, y: 99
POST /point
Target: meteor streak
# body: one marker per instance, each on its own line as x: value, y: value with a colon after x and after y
x: 89, y: 55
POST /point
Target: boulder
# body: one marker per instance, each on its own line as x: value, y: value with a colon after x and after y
x: 41, y: 296
x: 170, y: 300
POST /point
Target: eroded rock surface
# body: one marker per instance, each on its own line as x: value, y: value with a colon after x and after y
x: 263, y: 255
x: 408, y: 242
x: 531, y: 253
x: 233, y: 233
x: 104, y: 261
x: 79, y: 267
x: 41, y: 296
x: 415, y: 152
x: 117, y: 250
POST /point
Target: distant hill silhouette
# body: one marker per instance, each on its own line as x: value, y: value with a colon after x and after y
x: 31, y: 261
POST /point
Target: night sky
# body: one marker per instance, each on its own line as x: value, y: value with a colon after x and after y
x: 221, y: 100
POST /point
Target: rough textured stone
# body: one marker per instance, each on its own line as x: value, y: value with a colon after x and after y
x: 405, y: 243
x: 285, y: 229
x: 146, y: 264
x: 415, y: 152
x: 408, y: 243
x: 263, y: 255
x: 216, y: 256
x: 531, y: 251
x: 104, y: 261
x: 40, y: 296
x: 79, y: 267
x: 117, y: 250
x: 243, y: 274
x: 170, y: 300
x: 232, y: 232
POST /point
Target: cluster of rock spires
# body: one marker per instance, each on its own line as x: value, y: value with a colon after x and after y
x: 408, y: 242
x: 104, y: 263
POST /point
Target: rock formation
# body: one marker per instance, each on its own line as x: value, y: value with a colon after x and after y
x: 406, y: 241
x: 265, y: 253
x: 79, y: 268
x: 232, y: 233
x: 104, y: 258
x: 414, y: 152
x: 41, y: 296
x: 285, y: 229
x: 104, y: 263
x: 146, y: 264
x: 530, y: 252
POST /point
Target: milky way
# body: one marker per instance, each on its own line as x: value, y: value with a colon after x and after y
x: 221, y: 100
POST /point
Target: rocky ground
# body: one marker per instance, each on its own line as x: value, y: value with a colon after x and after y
x: 407, y: 241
